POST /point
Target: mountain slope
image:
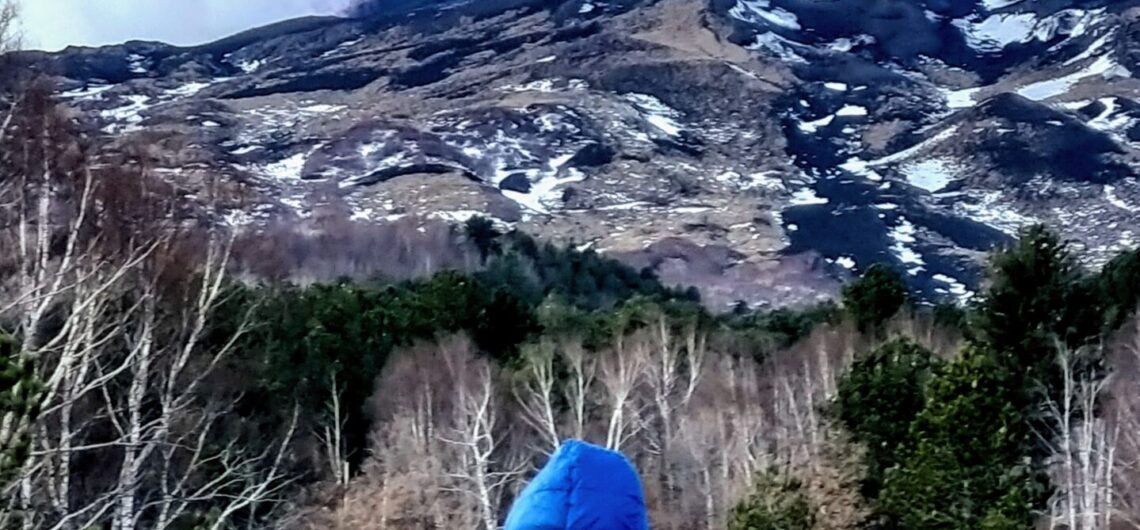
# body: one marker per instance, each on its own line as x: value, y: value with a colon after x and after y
x: 760, y: 149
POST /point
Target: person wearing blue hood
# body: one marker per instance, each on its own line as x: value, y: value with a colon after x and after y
x: 582, y: 487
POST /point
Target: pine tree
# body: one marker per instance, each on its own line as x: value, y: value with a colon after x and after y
x: 965, y: 467
x: 878, y: 399
x: 1118, y: 289
x: 1037, y: 294
x: 875, y: 297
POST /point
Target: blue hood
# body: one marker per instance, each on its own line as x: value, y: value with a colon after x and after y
x: 582, y: 487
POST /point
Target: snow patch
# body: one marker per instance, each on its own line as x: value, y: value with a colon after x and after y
x: 1113, y: 199
x: 548, y: 85
x: 780, y: 47
x: 916, y: 149
x: 991, y: 5
x: 769, y: 180
x: 852, y: 110
x: 131, y: 112
x: 931, y: 175
x: 903, y: 236
x: 342, y: 46
x: 814, y: 125
x: 460, y: 216
x: 1110, y: 120
x: 861, y: 168
x: 586, y: 8
x: 86, y: 93
x: 657, y: 113
x: 1104, y: 66
x: 137, y: 63
x: 997, y: 31
x: 1093, y: 48
x: 287, y: 169
x: 187, y: 90
x: 846, y: 262
x: 989, y: 208
x: 806, y: 197
x: 954, y: 287
x: 635, y: 205
x: 836, y: 86
x: 322, y: 108
x: 250, y: 67
x: 761, y: 11
x: 245, y: 150
x: 960, y: 99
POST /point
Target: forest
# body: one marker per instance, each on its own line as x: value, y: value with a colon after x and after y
x: 161, y: 371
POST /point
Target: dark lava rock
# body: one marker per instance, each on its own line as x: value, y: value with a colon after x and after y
x: 516, y: 182
x: 593, y: 155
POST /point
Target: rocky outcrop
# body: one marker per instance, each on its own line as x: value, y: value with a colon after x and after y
x: 762, y: 149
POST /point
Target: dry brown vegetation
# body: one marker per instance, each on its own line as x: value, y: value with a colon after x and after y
x: 457, y: 438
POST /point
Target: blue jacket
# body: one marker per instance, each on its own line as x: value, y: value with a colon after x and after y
x: 582, y: 487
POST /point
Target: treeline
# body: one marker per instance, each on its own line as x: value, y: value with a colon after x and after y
x: 323, y: 343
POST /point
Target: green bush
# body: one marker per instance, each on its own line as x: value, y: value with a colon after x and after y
x: 775, y: 503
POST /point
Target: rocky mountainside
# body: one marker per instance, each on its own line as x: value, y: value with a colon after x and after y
x: 762, y: 150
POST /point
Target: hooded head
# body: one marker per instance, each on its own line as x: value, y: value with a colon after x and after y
x: 582, y: 487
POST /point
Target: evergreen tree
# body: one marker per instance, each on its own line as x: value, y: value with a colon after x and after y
x: 1118, y: 289
x: 965, y: 467
x: 1039, y: 298
x: 878, y: 399
x: 1036, y: 295
x: 482, y: 232
x: 875, y: 297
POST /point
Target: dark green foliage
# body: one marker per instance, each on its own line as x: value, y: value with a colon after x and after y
x: 964, y: 467
x: 1037, y: 294
x: 307, y: 340
x: 951, y: 316
x: 1039, y: 298
x: 878, y: 399
x: 1118, y: 289
x: 483, y: 234
x: 775, y: 503
x: 765, y: 332
x: 20, y: 394
x: 875, y: 297
x: 311, y: 342
x: 582, y: 278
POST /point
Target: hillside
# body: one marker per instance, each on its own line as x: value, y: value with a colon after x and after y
x: 762, y: 150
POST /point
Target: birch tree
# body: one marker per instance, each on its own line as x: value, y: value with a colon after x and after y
x: 1084, y: 446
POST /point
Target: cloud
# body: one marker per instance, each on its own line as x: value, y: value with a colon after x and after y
x: 54, y: 24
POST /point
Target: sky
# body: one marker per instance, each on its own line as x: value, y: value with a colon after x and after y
x: 55, y: 24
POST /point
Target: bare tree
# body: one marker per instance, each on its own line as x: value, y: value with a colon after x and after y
x: 535, y: 393
x: 439, y: 458
x: 698, y: 423
x: 1122, y: 415
x: 111, y: 291
x: 622, y: 370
